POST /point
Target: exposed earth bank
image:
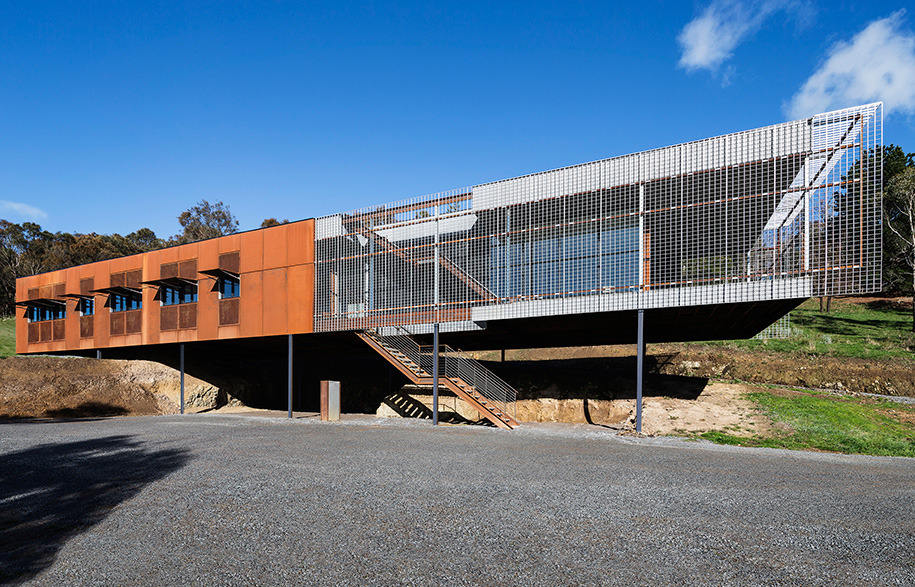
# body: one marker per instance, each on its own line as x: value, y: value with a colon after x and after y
x: 69, y: 387
x: 684, y: 391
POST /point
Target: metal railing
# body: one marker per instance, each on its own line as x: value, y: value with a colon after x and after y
x: 453, y: 365
x: 459, y: 368
x: 401, y: 342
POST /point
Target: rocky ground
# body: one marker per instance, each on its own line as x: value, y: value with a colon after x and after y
x: 719, y: 406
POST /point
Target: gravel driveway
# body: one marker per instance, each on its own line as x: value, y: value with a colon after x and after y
x: 253, y: 500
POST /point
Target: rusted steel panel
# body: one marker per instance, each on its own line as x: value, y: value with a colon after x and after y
x: 60, y: 289
x: 134, y: 321
x: 117, y: 324
x: 300, y: 299
x: 46, y: 291
x: 46, y: 331
x: 168, y: 318
x: 275, y: 291
x: 133, y: 278
x: 187, y: 316
x: 118, y: 265
x: 229, y: 332
x: 71, y: 340
x: 86, y: 326
x: 325, y: 393
x: 228, y: 311
x: 169, y: 255
x: 251, y: 311
x: 34, y: 293
x: 168, y: 336
x: 275, y: 246
x: 118, y: 280
x: 228, y: 243
x: 188, y: 269
x: 300, y: 242
x: 252, y: 243
x: 59, y: 329
x: 34, y: 332
x: 207, y: 308
x: 230, y: 262
x: 207, y: 254
x: 168, y: 270
x: 86, y: 285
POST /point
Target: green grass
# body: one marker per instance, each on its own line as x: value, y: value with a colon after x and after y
x: 7, y: 336
x: 852, y: 329
x: 816, y: 421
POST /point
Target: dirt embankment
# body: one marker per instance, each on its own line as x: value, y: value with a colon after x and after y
x: 62, y: 387
x: 885, y: 377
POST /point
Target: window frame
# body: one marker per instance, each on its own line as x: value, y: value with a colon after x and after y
x: 234, y: 289
x: 175, y: 295
x: 132, y: 301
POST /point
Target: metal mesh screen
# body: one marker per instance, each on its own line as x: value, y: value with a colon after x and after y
x: 786, y: 211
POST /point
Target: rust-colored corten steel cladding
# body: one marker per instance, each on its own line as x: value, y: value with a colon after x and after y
x: 271, y: 269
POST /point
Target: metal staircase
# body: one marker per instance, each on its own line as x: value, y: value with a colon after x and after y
x: 463, y: 376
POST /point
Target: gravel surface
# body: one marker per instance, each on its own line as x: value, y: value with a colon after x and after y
x: 253, y: 500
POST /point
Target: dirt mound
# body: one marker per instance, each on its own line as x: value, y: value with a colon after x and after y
x: 69, y: 387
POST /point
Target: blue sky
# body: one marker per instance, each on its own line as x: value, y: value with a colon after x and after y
x: 116, y: 116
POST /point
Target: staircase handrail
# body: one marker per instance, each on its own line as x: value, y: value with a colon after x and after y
x: 403, y: 342
x: 457, y: 366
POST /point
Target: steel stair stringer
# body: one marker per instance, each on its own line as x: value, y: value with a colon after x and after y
x: 405, y: 360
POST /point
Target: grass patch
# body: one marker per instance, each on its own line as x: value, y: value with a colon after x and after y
x: 7, y: 336
x: 834, y: 424
x: 852, y: 329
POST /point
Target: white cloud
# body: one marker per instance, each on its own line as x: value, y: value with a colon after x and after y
x: 710, y: 39
x: 22, y: 210
x: 877, y: 65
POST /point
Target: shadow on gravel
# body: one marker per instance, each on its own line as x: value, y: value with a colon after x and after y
x: 53, y: 492
x: 89, y: 409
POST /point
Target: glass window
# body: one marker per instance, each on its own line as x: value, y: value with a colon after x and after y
x: 173, y: 295
x: 40, y: 314
x: 122, y: 303
x: 229, y: 287
x: 86, y: 306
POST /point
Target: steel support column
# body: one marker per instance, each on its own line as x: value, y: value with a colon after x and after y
x: 289, y: 375
x: 435, y: 374
x: 435, y: 296
x: 640, y: 369
x: 98, y: 354
x: 181, y: 366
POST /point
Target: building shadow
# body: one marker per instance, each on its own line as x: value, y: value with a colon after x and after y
x: 599, y: 378
x: 53, y: 492
x: 409, y: 407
